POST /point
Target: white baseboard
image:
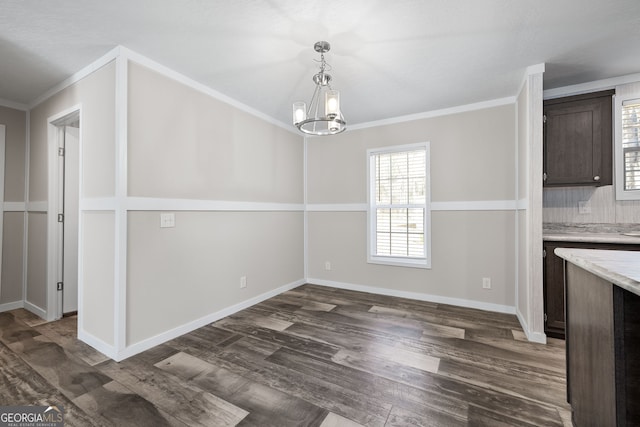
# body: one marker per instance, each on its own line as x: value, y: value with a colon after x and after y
x: 40, y: 312
x: 104, y: 348
x: 416, y: 296
x: 8, y: 306
x: 537, y: 337
x: 148, y: 343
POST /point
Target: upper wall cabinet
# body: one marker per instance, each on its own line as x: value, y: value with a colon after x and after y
x: 578, y: 140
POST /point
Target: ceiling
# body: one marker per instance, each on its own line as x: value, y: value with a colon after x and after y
x: 389, y: 58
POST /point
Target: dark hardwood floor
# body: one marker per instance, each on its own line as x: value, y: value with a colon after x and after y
x: 313, y: 356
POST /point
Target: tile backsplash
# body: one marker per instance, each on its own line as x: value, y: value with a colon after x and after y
x: 560, y: 205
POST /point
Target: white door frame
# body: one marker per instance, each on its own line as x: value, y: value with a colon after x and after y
x: 2, y: 172
x: 54, y: 306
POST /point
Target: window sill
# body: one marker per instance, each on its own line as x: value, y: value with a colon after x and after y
x: 400, y: 262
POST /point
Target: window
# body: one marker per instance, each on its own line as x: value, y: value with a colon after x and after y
x: 627, y: 143
x: 398, y: 211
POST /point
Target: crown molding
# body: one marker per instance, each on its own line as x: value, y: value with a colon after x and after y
x: 76, y: 77
x: 593, y: 86
x: 15, y: 105
x: 437, y: 113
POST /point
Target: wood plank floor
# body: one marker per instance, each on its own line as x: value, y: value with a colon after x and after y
x: 312, y: 356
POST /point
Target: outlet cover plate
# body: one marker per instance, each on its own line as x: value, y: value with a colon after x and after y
x: 167, y: 220
x: 584, y: 207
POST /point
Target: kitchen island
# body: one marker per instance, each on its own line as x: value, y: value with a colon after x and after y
x: 603, y: 336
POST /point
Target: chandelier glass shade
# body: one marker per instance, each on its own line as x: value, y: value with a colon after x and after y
x: 322, y: 116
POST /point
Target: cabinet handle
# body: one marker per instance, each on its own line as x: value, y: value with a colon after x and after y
x: 596, y: 178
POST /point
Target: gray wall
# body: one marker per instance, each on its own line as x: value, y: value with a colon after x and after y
x: 187, y: 146
x: 183, y: 148
x: 11, y: 282
x: 472, y: 159
x: 96, y: 95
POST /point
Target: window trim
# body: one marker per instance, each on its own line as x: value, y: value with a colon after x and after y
x: 618, y: 151
x: 372, y: 258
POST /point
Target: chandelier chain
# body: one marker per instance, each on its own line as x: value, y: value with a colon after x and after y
x: 324, y: 65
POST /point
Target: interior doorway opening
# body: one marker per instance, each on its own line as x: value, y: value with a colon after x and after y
x: 66, y: 212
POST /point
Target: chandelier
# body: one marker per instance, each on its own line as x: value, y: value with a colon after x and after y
x: 323, y: 116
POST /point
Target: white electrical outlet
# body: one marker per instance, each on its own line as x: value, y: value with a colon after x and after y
x: 584, y: 207
x: 327, y: 265
x: 167, y: 220
x: 243, y: 282
x: 486, y: 283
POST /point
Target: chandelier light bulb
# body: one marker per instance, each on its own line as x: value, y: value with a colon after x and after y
x: 299, y: 112
x: 332, y: 103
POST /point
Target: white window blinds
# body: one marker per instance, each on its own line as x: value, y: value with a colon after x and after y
x: 631, y: 144
x: 398, y: 207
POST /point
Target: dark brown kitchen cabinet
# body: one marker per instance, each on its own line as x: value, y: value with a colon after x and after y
x: 553, y: 282
x: 553, y: 291
x: 578, y: 140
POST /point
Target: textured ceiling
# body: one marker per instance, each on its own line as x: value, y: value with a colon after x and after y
x: 389, y: 58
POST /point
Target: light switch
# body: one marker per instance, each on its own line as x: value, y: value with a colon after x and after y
x: 167, y: 219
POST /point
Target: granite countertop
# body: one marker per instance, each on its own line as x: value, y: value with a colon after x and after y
x: 592, y: 233
x: 622, y: 268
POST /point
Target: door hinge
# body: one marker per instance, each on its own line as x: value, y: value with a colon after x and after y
x: 544, y: 253
x: 60, y: 217
x: 544, y: 118
x: 544, y: 176
x: 61, y: 151
x: 545, y: 318
x: 60, y: 286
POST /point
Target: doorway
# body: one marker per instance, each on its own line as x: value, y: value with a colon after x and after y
x: 67, y: 131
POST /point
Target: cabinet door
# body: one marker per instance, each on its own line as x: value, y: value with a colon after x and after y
x: 578, y: 140
x: 573, y: 143
x: 553, y: 267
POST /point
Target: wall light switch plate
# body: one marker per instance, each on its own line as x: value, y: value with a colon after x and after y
x: 167, y: 219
